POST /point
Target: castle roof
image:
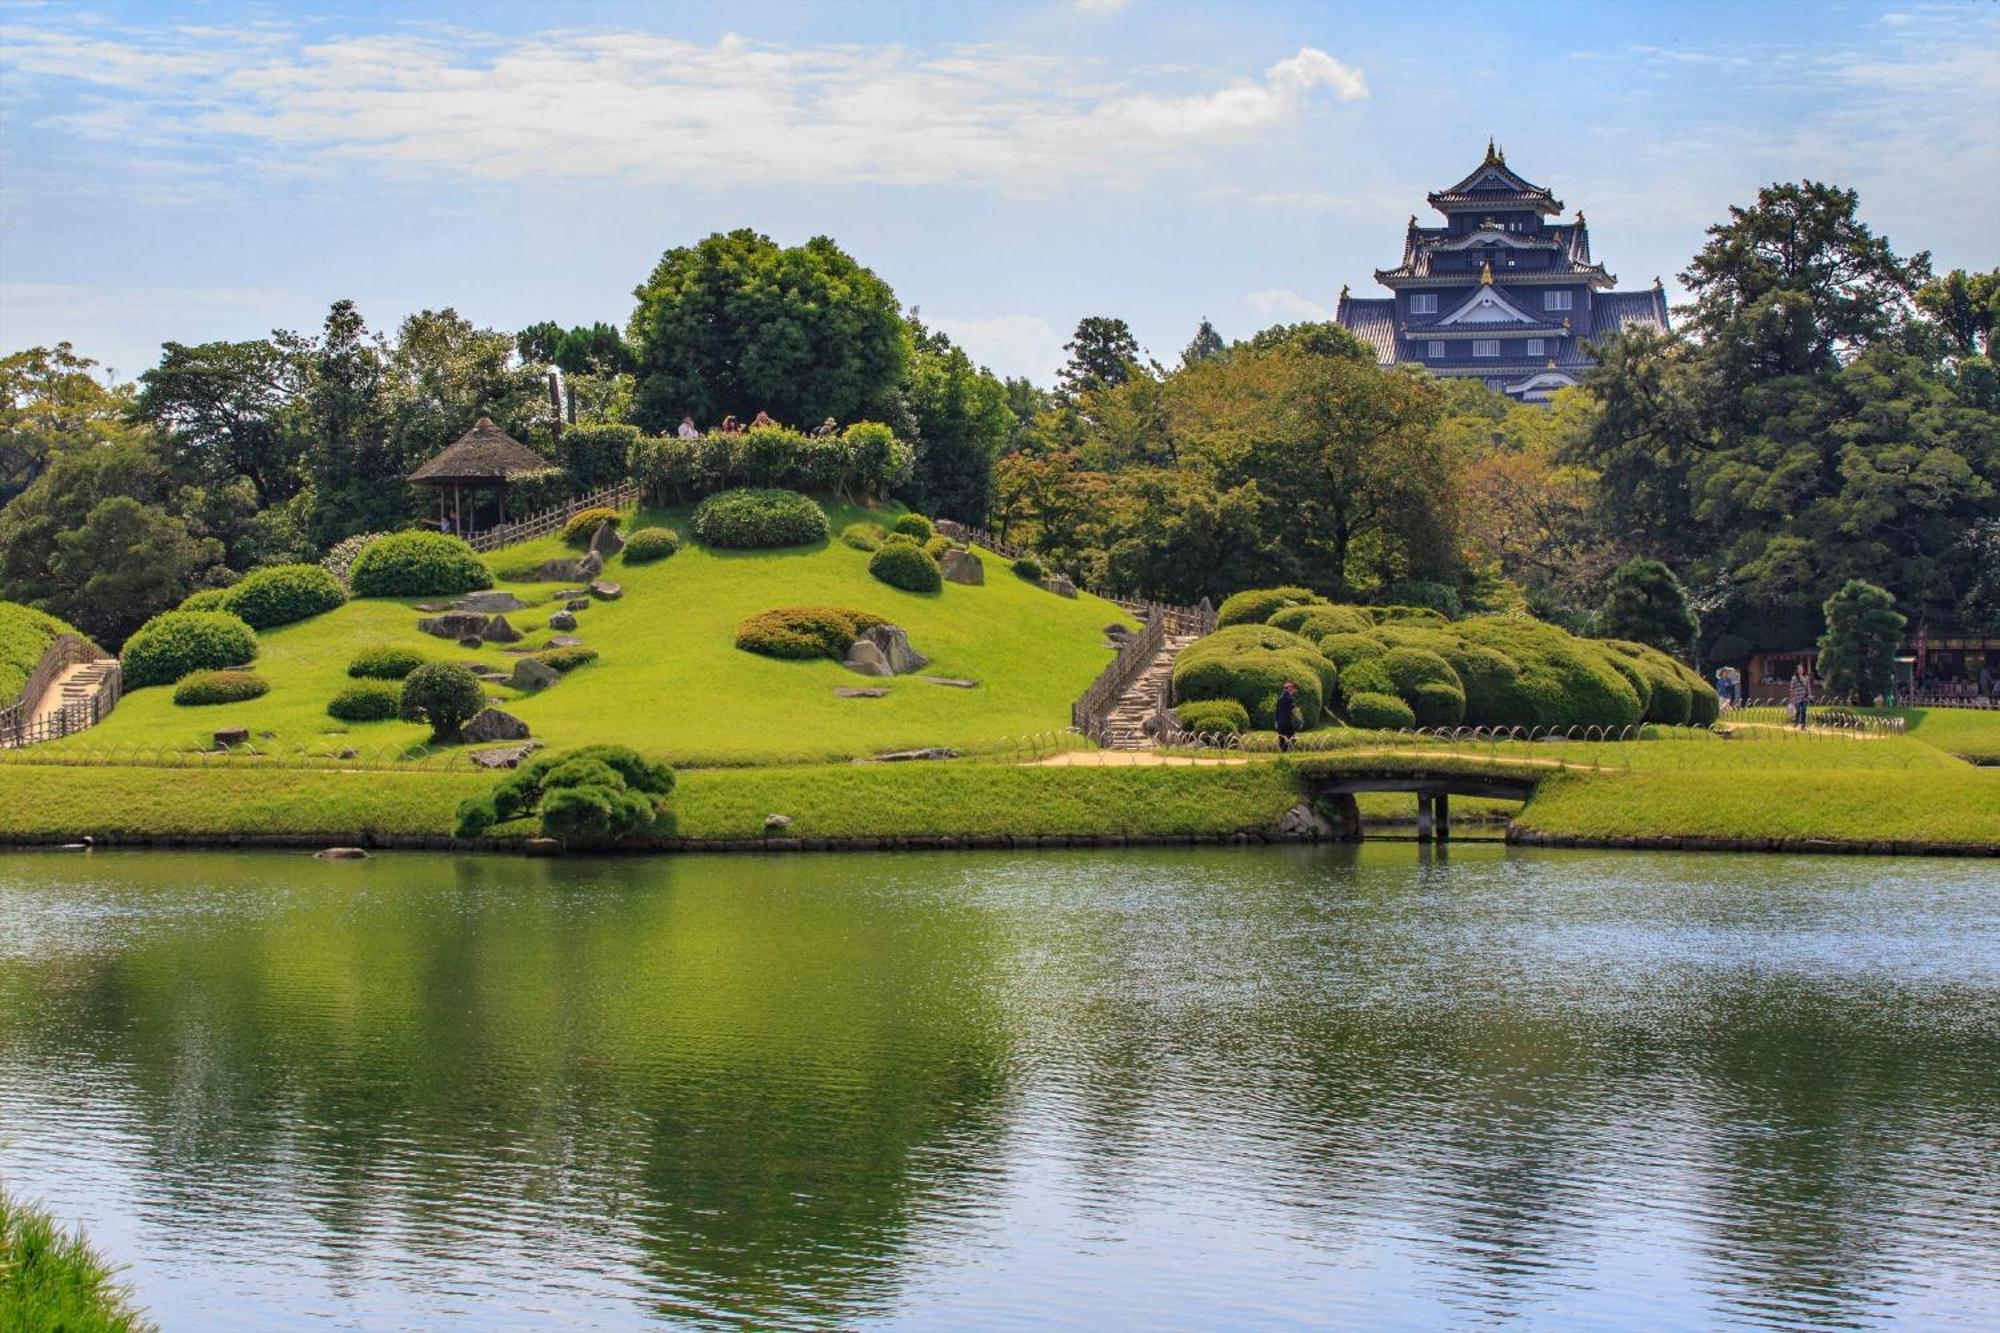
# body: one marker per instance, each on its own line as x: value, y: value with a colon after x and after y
x: 1493, y: 184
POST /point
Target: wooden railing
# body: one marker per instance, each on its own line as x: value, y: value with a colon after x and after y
x: 621, y: 496
x: 1093, y: 707
x: 18, y: 724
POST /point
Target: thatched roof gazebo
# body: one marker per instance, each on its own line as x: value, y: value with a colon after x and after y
x: 484, y: 458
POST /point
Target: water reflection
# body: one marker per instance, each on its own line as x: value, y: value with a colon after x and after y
x: 1361, y: 1085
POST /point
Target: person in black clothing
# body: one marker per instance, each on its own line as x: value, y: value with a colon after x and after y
x: 1287, y: 715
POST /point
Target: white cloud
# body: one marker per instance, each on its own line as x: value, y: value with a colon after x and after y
x: 1008, y: 345
x: 1101, y: 6
x: 1284, y: 306
x: 638, y: 107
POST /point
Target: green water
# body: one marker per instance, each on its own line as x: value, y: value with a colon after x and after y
x: 1277, y: 1088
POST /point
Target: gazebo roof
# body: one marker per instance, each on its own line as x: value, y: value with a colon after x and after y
x: 484, y: 455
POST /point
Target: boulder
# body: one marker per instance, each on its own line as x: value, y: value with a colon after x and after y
x: 232, y: 736
x: 605, y: 591
x: 894, y: 644
x: 557, y: 571
x: 472, y: 641
x: 962, y: 567
x: 504, y: 756
x: 775, y: 825
x: 563, y: 640
x: 1059, y: 585
x: 340, y: 854
x: 489, y: 603
x: 490, y: 724
x: 530, y: 674
x: 454, y: 624
x: 950, y: 529
x: 1302, y: 822
x: 499, y: 631
x: 606, y: 543
x: 865, y: 658
x: 1116, y: 632
x: 580, y: 602
x: 562, y: 620
x: 590, y: 566
x: 859, y: 692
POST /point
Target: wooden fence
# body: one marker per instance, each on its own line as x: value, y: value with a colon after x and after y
x: 621, y: 496
x: 19, y: 726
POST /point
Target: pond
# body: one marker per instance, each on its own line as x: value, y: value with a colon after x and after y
x: 1300, y: 1087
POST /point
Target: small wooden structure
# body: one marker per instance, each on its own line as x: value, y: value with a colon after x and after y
x: 484, y: 458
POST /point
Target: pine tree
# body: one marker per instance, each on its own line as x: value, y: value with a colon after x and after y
x: 1647, y: 604
x: 1857, y: 654
x: 1207, y: 344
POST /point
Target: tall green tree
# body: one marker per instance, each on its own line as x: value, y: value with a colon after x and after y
x: 737, y: 324
x: 222, y: 410
x: 1965, y: 309
x: 1857, y: 654
x: 1102, y: 354
x: 127, y: 562
x: 50, y: 401
x: 1647, y: 604
x: 963, y: 426
x: 1205, y: 345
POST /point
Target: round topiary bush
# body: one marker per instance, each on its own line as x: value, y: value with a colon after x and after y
x: 173, y: 643
x: 1318, y: 622
x: 1437, y: 703
x: 1255, y: 606
x: 280, y: 594
x: 1346, y: 649
x: 1213, y: 716
x: 385, y: 661
x: 1379, y: 712
x: 906, y: 566
x: 1487, y: 676
x: 915, y: 525
x: 1367, y: 676
x: 863, y: 536
x: 650, y: 544
x: 565, y: 660
x: 1029, y: 568
x: 218, y: 687
x: 1387, y: 614
x: 443, y: 694
x: 1250, y: 664
x: 752, y: 520
x: 937, y: 546
x: 366, y: 701
x: 1412, y: 667
x: 579, y: 528
x: 208, y: 599
x: 417, y: 564
x: 1563, y: 681
x: 1666, y: 689
x: 800, y: 632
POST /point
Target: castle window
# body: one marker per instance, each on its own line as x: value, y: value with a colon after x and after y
x: 1486, y: 347
x: 1556, y: 300
x: 1534, y: 347
x: 1425, y: 304
x: 1437, y: 349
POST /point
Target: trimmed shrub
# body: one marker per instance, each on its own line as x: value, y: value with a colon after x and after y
x: 1563, y: 681
x: 863, y: 536
x: 1411, y: 667
x: 443, y: 694
x: 876, y: 461
x: 595, y: 453
x: 754, y: 520
x: 581, y: 527
x: 1367, y: 676
x: 905, y: 566
x: 1379, y: 712
x: 937, y: 546
x: 1663, y: 689
x: 800, y: 632
x: 173, y: 643
x: 219, y: 687
x: 1346, y: 649
x: 595, y: 794
x: 417, y: 564
x: 208, y: 599
x: 1437, y: 703
x: 1439, y: 597
x: 366, y: 701
x: 1487, y: 677
x: 1250, y: 664
x: 280, y: 594
x: 1255, y: 606
x: 565, y: 660
x: 1317, y: 622
x: 1213, y: 715
x: 650, y: 544
x: 385, y: 661
x: 915, y: 525
x: 1029, y: 568
x: 1386, y: 614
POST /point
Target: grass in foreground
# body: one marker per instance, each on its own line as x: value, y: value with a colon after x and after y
x: 1970, y: 733
x: 671, y: 682
x: 52, y: 1281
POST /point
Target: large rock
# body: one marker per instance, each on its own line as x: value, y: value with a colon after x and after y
x: 894, y: 644
x: 563, y: 620
x: 454, y: 624
x: 1302, y: 821
x: 563, y: 640
x: 557, y: 571
x: 499, y: 631
x: 530, y: 674
x: 950, y: 529
x: 590, y: 566
x: 505, y: 756
x: 606, y: 543
x: 867, y: 659
x: 489, y: 603
x: 490, y: 724
x: 606, y: 591
x: 1059, y: 585
x: 962, y: 567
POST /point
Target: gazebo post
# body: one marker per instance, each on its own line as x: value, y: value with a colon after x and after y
x: 457, y: 510
x: 501, y: 492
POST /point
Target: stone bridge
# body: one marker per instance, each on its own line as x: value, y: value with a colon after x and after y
x: 1433, y: 791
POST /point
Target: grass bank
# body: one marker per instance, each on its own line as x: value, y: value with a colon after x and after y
x: 1972, y: 734
x: 52, y: 1281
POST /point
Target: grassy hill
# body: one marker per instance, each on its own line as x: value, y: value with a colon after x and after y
x: 25, y: 634
x: 669, y: 679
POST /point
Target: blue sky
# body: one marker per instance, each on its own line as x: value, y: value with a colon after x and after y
x: 207, y: 171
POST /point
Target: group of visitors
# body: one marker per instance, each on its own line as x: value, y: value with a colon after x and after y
x: 731, y: 426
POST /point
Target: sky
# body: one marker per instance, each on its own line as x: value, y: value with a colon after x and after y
x: 206, y: 171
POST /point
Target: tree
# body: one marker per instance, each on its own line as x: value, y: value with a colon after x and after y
x: 737, y: 324
x: 61, y: 500
x: 222, y: 410
x: 1315, y: 339
x: 357, y: 477
x: 127, y: 562
x: 1102, y: 353
x: 963, y: 424
x: 1964, y: 308
x: 1857, y: 654
x: 1647, y: 604
x: 49, y: 401
x: 538, y: 342
x: 597, y: 350
x: 443, y: 694
x: 1206, y: 345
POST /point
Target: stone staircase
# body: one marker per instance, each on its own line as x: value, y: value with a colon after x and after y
x: 79, y: 683
x: 1125, y: 729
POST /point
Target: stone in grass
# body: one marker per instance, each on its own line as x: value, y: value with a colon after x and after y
x: 606, y: 543
x: 557, y: 571
x: 230, y: 737
x: 590, y: 566
x: 454, y: 624
x: 431, y: 607
x: 472, y: 641
x: 577, y: 603
x: 776, y: 825
x: 491, y: 724
x: 950, y: 529
x: 894, y: 644
x: 504, y: 756
x: 955, y: 682
x: 1116, y: 632
x: 562, y: 620
x: 905, y: 756
x: 866, y: 659
x: 606, y: 591
x: 563, y: 641
x: 530, y: 674
x: 962, y: 567
x: 859, y: 692
x: 1059, y: 585
x: 491, y: 602
x: 340, y: 854
x: 499, y: 631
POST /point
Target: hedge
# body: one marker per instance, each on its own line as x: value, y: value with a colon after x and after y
x: 1319, y: 622
x: 649, y: 544
x: 1029, y: 568
x: 207, y: 599
x: 25, y: 634
x: 915, y: 525
x: 749, y: 520
x: 1255, y: 606
x: 863, y: 536
x: 219, y: 687
x: 1380, y: 712
x: 366, y: 701
x: 800, y: 632
x: 385, y: 661
x: 565, y: 660
x: 906, y: 566
x: 174, y: 643
x: 581, y: 527
x: 280, y: 594
x: 1213, y: 716
x: 1437, y: 703
x: 865, y: 460
x: 1250, y: 664
x: 417, y: 564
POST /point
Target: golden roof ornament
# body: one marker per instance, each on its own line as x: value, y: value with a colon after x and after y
x: 1486, y: 273
x: 1491, y: 155
x: 1658, y: 286
x: 1552, y: 363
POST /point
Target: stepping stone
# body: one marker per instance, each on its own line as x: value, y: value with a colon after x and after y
x: 504, y: 756
x: 563, y: 641
x: 577, y: 604
x: 849, y: 692
x: 491, y: 603
x: 563, y: 620
x: 955, y: 682
x: 605, y: 590
x: 432, y: 607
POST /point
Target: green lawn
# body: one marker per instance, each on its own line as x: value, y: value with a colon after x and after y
x: 1969, y: 733
x: 670, y: 681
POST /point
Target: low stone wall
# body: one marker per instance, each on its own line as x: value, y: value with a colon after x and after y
x: 1703, y: 843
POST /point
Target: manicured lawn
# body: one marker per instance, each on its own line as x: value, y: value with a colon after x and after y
x: 1969, y: 733
x: 669, y: 680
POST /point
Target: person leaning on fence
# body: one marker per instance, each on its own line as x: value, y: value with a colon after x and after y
x: 1287, y: 715
x: 1800, y: 694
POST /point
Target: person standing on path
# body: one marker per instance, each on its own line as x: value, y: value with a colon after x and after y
x: 1800, y: 695
x: 1287, y: 715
